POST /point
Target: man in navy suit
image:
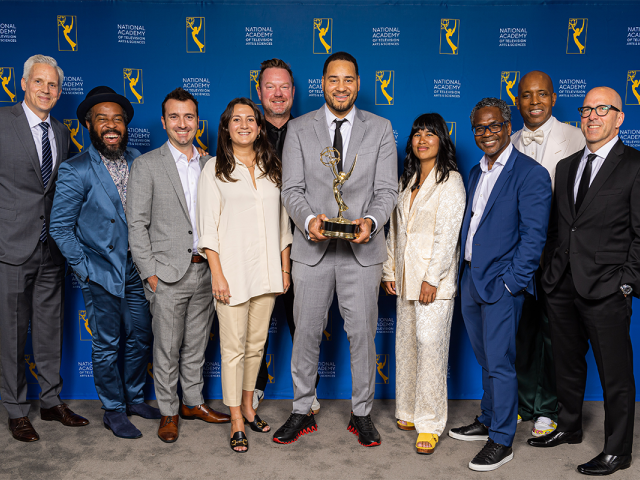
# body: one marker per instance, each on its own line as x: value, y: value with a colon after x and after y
x: 503, y: 234
x: 89, y: 225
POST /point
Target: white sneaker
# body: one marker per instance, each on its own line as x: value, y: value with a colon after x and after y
x: 315, y: 406
x: 543, y: 426
x: 258, y: 396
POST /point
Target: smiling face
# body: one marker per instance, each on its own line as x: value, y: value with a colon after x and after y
x: 180, y: 120
x: 108, y: 130
x: 425, y: 145
x: 243, y: 127
x: 340, y: 86
x: 492, y: 144
x: 276, y: 93
x: 42, y: 89
x: 535, y: 99
x: 600, y: 130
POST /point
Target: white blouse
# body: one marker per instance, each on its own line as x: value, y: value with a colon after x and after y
x: 247, y: 226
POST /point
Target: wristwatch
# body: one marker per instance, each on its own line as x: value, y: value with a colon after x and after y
x: 626, y: 289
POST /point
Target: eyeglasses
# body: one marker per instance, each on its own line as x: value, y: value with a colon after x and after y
x: 493, y: 128
x: 601, y: 110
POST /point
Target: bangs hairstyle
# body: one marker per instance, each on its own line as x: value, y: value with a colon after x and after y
x: 266, y: 159
x: 446, y: 158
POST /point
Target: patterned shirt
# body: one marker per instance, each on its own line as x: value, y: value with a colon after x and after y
x: 119, y: 171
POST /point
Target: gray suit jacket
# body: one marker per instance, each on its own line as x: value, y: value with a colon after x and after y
x: 160, y: 231
x: 24, y: 202
x: 307, y: 185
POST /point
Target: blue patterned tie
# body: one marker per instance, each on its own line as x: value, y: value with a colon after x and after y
x: 45, y: 169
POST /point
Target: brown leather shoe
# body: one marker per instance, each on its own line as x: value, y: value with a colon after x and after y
x: 168, y: 431
x: 203, y: 412
x: 63, y: 414
x: 22, y: 430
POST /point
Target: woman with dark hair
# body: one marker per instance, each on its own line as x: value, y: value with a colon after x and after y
x: 245, y: 236
x: 421, y: 269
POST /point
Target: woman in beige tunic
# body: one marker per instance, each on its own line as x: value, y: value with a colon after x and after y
x: 421, y: 269
x: 245, y: 236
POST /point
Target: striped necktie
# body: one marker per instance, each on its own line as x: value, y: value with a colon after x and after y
x: 45, y: 169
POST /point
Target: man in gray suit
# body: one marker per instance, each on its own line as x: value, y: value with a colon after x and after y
x: 322, y: 266
x: 161, y: 213
x: 32, y: 146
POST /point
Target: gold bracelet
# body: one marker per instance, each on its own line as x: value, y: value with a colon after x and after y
x: 284, y: 271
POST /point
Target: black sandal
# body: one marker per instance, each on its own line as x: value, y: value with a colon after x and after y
x: 258, y: 425
x: 239, y: 439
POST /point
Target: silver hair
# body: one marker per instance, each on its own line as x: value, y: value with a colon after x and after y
x: 492, y: 102
x: 28, y: 65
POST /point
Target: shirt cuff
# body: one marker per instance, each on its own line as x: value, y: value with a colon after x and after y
x: 306, y: 225
x: 374, y: 227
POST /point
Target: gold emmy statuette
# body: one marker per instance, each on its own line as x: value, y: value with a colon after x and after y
x: 338, y: 227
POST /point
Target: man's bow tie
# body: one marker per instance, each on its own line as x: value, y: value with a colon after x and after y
x: 528, y: 137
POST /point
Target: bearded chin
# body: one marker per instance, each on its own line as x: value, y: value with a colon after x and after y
x: 338, y: 107
x: 107, y: 151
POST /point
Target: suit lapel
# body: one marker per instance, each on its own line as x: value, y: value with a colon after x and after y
x: 426, y: 191
x: 58, y: 136
x: 104, y: 176
x: 473, y: 184
x: 571, y: 181
x: 607, y: 168
x: 355, y: 140
x: 497, y: 187
x: 556, y: 144
x: 23, y: 132
x: 322, y: 131
x: 169, y: 165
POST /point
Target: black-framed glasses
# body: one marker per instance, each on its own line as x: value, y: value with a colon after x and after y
x: 601, y: 110
x: 479, y: 130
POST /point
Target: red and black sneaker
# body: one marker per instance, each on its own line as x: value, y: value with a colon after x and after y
x: 296, y: 425
x: 366, y: 431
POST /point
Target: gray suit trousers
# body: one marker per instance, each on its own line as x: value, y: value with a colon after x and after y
x: 33, y: 290
x: 182, y: 315
x: 357, y: 289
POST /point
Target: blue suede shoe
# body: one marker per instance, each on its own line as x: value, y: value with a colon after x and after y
x: 143, y: 410
x: 120, y: 425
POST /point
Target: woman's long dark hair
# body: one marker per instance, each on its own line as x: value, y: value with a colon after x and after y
x: 446, y: 158
x: 266, y: 158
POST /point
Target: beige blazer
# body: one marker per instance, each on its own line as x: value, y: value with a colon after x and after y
x: 564, y: 141
x: 423, y: 243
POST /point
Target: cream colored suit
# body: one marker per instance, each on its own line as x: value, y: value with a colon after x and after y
x: 564, y: 141
x: 423, y: 245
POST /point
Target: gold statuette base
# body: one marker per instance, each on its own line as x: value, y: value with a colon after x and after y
x: 340, y: 227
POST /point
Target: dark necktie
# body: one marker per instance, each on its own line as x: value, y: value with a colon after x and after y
x: 584, y: 181
x: 45, y: 168
x: 279, y: 144
x: 337, y: 141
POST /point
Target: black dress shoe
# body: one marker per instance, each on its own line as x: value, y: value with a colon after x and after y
x: 556, y: 438
x: 469, y: 433
x: 605, y: 464
x: 492, y: 456
x: 296, y: 425
x: 366, y: 431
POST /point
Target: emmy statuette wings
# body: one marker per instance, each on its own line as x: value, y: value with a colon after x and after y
x: 338, y: 227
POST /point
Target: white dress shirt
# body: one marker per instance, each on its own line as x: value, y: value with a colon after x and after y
x: 36, y: 131
x: 534, y: 150
x: 189, y: 171
x: 487, y: 180
x: 601, y: 153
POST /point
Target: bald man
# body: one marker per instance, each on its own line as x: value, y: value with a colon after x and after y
x: 592, y: 270
x: 547, y: 141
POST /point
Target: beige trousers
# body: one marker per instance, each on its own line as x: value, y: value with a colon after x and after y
x: 243, y: 331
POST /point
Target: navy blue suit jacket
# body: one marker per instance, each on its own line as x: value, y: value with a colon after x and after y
x: 88, y: 222
x: 512, y: 231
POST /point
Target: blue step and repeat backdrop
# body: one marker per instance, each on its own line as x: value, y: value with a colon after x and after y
x: 426, y: 57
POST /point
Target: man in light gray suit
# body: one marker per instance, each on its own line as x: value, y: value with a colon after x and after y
x: 161, y: 213
x: 32, y: 146
x: 322, y: 266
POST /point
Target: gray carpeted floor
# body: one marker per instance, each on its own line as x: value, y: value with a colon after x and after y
x: 202, y: 451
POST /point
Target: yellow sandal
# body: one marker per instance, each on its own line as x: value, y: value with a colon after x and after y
x: 430, y: 438
x: 405, y: 425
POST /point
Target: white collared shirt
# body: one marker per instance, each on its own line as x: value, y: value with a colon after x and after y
x: 534, y: 150
x: 487, y: 180
x: 189, y: 171
x: 36, y: 131
x: 601, y: 153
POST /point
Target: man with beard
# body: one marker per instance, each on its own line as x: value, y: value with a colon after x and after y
x: 89, y: 226
x: 276, y: 95
x: 322, y: 266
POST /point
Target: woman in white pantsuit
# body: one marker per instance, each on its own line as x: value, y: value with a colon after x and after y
x: 421, y: 269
